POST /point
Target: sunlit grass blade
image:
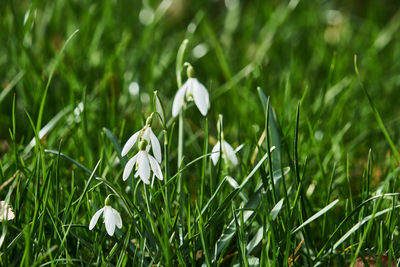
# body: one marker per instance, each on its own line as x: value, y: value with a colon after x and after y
x: 316, y: 215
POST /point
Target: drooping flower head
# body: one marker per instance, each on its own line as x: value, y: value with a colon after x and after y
x: 191, y: 90
x: 111, y: 217
x: 228, y: 153
x: 145, y: 134
x: 143, y: 161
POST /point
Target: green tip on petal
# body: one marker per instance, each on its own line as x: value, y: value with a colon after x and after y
x: 143, y: 144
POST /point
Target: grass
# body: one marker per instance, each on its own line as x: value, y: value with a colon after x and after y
x: 310, y: 89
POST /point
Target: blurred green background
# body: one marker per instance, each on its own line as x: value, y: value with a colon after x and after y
x: 120, y: 42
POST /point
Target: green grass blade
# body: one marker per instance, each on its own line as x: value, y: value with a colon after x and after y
x: 317, y: 215
x: 378, y: 116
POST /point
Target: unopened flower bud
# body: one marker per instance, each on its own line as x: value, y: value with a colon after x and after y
x: 107, y: 202
x: 189, y: 71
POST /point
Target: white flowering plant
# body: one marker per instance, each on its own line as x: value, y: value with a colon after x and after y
x: 113, y: 151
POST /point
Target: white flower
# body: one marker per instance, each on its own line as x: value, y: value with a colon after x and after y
x: 145, y: 134
x: 143, y: 162
x: 191, y: 90
x: 111, y: 217
x: 6, y: 212
x: 227, y: 152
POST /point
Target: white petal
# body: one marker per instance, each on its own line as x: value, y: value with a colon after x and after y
x: 178, y: 100
x: 230, y: 153
x: 117, y: 218
x: 10, y: 214
x: 109, y: 220
x: 155, y: 167
x: 144, y: 168
x: 190, y: 84
x: 95, y: 218
x: 148, y: 148
x: 201, y: 97
x: 6, y: 212
x: 215, y: 153
x: 155, y: 145
x: 129, y: 144
x: 129, y: 167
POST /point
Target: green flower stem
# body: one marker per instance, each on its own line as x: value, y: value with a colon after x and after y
x: 179, y: 190
x: 166, y: 177
x: 204, y: 163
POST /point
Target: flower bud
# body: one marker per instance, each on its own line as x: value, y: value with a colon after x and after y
x: 107, y: 202
x: 189, y: 71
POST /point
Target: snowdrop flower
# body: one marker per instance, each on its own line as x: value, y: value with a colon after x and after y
x: 143, y: 163
x: 191, y: 90
x: 144, y: 134
x: 6, y: 212
x: 227, y: 152
x: 111, y: 217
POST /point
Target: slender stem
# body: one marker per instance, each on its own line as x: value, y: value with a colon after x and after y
x: 179, y: 190
x: 167, y: 218
x: 271, y: 171
x: 166, y: 176
x: 204, y: 163
x: 179, y: 61
x: 348, y: 181
x: 147, y: 199
x: 180, y: 140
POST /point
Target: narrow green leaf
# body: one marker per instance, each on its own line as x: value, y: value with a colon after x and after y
x: 317, y: 215
x: 230, y: 230
x: 179, y: 62
x: 275, y: 210
x: 116, y: 144
x: 255, y: 241
x: 377, y: 115
x: 359, y: 224
x: 11, y: 85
